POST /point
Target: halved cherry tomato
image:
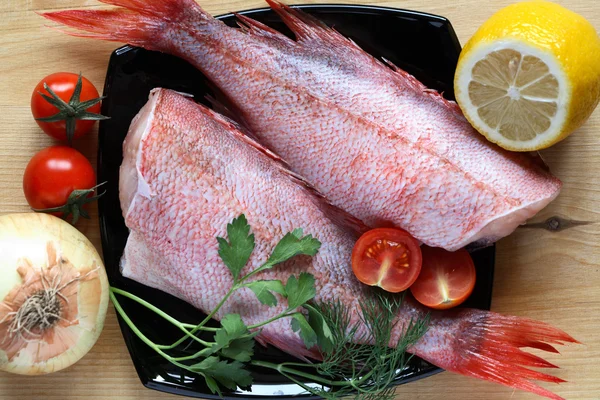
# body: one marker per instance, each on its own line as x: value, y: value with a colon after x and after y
x: 387, y: 257
x: 447, y: 278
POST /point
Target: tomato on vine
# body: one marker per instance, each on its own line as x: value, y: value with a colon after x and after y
x: 66, y: 105
x: 60, y: 181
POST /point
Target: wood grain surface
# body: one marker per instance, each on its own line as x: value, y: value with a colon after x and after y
x: 551, y: 276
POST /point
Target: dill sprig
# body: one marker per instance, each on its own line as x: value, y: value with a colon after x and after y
x: 363, y: 354
x: 358, y: 358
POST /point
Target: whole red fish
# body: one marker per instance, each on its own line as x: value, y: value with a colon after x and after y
x: 188, y: 171
x: 371, y: 138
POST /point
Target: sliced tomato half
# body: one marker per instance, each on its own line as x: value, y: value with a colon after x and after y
x: 387, y: 257
x: 447, y: 278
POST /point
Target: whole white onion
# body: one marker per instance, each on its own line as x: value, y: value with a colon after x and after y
x: 53, y: 294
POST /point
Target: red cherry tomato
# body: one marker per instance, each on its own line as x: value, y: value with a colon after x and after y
x: 63, y: 85
x: 53, y: 174
x: 447, y: 278
x: 387, y: 257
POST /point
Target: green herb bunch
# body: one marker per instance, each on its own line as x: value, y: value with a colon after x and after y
x: 348, y: 365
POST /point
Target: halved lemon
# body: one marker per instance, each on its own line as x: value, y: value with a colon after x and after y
x: 530, y: 75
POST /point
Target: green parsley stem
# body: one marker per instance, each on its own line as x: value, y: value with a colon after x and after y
x: 197, y: 339
x: 140, y: 335
x: 218, y: 307
x: 190, y: 357
x: 355, y: 383
x: 256, y: 271
x: 282, y: 368
x: 297, y: 364
x: 275, y: 318
x: 158, y: 311
x: 200, y: 326
x: 298, y: 382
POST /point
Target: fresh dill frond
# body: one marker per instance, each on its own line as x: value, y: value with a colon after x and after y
x: 363, y: 354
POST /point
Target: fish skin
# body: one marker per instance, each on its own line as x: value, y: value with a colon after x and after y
x: 188, y: 171
x: 372, y: 139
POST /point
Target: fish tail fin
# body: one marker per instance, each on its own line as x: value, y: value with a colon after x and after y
x: 137, y: 22
x: 487, y: 345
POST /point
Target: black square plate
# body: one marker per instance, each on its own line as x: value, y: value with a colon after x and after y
x: 422, y: 44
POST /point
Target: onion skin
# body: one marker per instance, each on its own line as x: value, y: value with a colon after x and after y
x: 33, y: 242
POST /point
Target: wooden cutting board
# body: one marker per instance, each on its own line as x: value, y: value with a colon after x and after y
x: 548, y: 275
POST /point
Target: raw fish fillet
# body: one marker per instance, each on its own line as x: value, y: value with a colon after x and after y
x: 188, y: 171
x: 370, y: 137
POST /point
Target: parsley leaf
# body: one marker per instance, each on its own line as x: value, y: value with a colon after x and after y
x: 234, y: 340
x: 308, y: 335
x: 240, y: 349
x: 236, y: 253
x: 300, y: 290
x: 262, y: 290
x: 292, y: 244
x: 229, y: 374
x: 317, y: 322
x: 233, y: 325
x: 212, y: 385
x: 298, y: 232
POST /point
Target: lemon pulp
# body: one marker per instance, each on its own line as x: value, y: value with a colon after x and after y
x: 516, y: 95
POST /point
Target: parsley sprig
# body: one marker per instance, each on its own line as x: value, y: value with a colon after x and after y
x: 348, y: 365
